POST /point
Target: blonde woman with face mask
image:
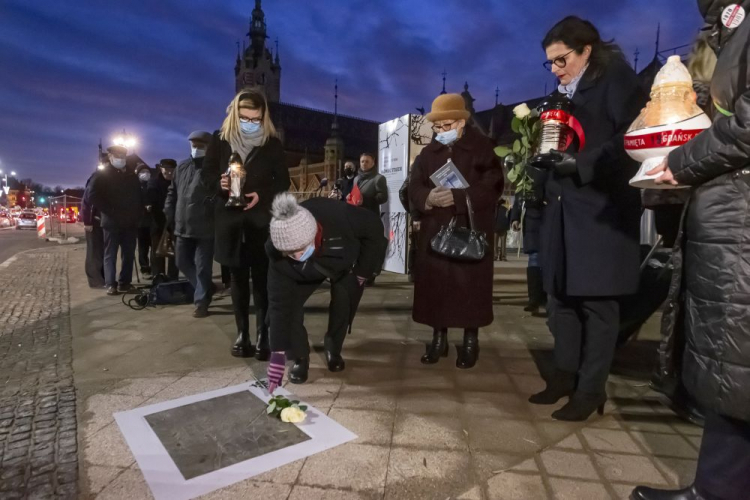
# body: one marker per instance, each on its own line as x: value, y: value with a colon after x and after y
x: 241, y: 233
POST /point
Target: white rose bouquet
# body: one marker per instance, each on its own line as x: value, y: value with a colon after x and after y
x: 526, y: 124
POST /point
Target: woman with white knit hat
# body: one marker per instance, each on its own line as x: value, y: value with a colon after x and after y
x: 318, y: 240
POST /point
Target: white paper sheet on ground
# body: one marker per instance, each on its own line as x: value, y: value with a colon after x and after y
x: 643, y: 181
x: 166, y: 481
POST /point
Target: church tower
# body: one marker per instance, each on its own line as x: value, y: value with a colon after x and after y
x: 256, y: 65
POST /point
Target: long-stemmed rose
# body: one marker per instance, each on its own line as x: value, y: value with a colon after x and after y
x: 526, y: 124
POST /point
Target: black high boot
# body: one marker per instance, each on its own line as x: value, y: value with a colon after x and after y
x: 535, y: 287
x: 580, y: 407
x: 646, y: 493
x: 438, y: 348
x: 469, y: 352
x: 243, y: 347
x: 263, y: 342
x: 560, y: 385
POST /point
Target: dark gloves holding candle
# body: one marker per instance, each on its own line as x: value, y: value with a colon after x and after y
x: 561, y: 162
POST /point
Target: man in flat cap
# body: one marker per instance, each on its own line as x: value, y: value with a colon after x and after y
x: 189, y: 209
x: 156, y: 197
x: 116, y: 192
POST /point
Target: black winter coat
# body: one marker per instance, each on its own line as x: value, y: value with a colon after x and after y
x: 710, y: 296
x: 190, y: 201
x: 352, y: 241
x: 118, y: 197
x: 89, y: 213
x: 590, y: 237
x: 267, y: 175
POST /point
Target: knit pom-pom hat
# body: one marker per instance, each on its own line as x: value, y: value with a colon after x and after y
x: 292, y: 227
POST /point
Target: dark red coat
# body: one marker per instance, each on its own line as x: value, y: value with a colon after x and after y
x: 449, y: 293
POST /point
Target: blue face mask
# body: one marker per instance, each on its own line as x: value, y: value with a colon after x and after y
x: 308, y: 253
x: 118, y: 163
x: 250, y: 127
x: 448, y: 137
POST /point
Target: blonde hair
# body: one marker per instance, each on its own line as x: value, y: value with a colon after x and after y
x: 250, y: 98
x: 702, y: 60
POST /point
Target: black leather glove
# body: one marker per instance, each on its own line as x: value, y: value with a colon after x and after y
x: 563, y: 163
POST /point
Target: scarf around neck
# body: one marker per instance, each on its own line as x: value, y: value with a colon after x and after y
x: 247, y: 143
x: 570, y: 89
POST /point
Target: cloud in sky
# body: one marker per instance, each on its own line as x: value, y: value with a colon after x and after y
x: 73, y: 72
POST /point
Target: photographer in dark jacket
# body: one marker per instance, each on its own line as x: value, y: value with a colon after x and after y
x: 526, y: 216
x: 156, y: 197
x: 241, y: 233
x: 591, y: 222
x: 710, y: 291
x: 189, y: 209
x: 116, y: 192
x: 344, y: 185
x: 317, y: 240
x: 144, y: 228
x: 94, y: 236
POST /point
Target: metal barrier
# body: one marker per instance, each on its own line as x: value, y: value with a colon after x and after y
x: 57, y: 225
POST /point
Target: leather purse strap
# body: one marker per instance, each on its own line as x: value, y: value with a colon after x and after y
x: 470, y: 211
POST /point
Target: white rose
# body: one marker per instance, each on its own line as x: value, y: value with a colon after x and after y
x: 521, y: 111
x: 292, y: 415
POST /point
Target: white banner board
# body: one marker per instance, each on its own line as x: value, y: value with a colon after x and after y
x: 400, y: 141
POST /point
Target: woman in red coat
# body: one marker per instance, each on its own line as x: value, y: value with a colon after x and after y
x: 450, y: 293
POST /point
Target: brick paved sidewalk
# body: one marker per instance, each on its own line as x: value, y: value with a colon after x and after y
x: 38, y: 444
x: 425, y: 432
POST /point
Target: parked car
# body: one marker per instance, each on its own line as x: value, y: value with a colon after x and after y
x: 5, y: 221
x: 27, y: 220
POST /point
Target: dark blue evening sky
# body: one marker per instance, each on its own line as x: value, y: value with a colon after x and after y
x: 76, y: 70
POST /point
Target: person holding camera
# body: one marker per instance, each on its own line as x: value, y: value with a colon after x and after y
x: 344, y: 185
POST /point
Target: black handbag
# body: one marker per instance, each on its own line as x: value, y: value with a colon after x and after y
x: 460, y: 243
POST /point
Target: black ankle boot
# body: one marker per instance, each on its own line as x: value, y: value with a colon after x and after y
x: 263, y: 346
x: 438, y: 348
x: 242, y: 347
x: 645, y: 493
x: 560, y: 385
x: 298, y: 373
x: 580, y: 407
x: 469, y: 352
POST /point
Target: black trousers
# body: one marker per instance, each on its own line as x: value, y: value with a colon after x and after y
x: 124, y: 241
x: 341, y: 309
x: 724, y: 459
x: 585, y: 332
x: 241, y: 294
x: 95, y: 257
x: 144, y: 248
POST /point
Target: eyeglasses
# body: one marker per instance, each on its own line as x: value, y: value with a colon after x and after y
x: 444, y: 127
x: 254, y: 121
x: 560, y: 62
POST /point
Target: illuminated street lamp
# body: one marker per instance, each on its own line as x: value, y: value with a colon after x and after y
x: 6, y: 188
x: 126, y: 140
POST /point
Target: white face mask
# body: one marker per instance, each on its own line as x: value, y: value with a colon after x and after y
x: 118, y: 163
x: 197, y: 152
x: 144, y: 176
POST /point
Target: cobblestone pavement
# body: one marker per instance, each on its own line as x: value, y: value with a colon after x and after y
x: 38, y: 435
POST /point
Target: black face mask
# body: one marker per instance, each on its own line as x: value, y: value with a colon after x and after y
x: 349, y: 172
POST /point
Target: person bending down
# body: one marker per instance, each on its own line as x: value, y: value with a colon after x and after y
x: 318, y: 240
